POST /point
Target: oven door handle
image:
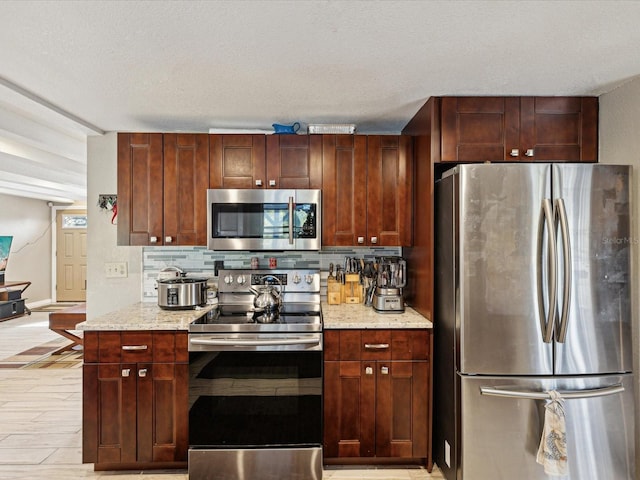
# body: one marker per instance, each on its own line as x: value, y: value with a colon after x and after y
x: 234, y: 342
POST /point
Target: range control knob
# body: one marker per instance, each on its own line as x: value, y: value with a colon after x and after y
x: 308, y: 278
x: 228, y: 279
x: 296, y: 278
x: 240, y: 280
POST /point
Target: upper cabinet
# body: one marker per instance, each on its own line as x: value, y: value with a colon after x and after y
x: 186, y: 172
x: 476, y: 129
x: 265, y: 161
x: 366, y: 190
x: 162, y: 186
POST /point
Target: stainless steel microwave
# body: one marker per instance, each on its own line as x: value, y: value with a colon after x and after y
x: 246, y: 219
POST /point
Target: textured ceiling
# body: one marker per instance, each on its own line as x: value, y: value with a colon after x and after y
x: 69, y: 69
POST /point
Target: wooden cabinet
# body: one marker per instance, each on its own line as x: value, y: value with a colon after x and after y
x: 366, y: 190
x: 377, y: 394
x: 531, y: 129
x: 135, y: 399
x: 265, y: 161
x: 140, y: 188
x: 162, y: 183
x: 186, y: 172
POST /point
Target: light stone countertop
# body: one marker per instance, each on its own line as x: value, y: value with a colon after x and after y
x: 359, y: 316
x: 148, y: 316
x: 144, y: 316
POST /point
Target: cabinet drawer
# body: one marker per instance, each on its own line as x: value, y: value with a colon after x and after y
x: 135, y: 346
x: 377, y: 344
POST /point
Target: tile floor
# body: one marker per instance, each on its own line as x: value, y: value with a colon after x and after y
x: 40, y: 420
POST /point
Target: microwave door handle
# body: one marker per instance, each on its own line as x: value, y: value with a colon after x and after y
x: 290, y: 220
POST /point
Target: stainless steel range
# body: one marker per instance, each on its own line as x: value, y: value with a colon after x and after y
x: 255, y: 386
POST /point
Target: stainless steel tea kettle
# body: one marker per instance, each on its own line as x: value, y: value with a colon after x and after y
x: 268, y: 297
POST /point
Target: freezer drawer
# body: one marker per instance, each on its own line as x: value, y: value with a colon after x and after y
x: 500, y: 434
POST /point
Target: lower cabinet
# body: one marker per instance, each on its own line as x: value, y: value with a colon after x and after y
x: 377, y: 399
x: 135, y: 400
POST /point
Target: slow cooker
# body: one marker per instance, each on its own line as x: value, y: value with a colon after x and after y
x: 182, y: 293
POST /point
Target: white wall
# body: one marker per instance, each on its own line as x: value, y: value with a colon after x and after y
x: 620, y: 143
x: 29, y: 222
x: 107, y: 294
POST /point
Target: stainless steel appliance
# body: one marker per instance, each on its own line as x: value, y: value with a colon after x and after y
x: 390, y: 280
x: 269, y: 219
x: 532, y: 295
x: 255, y: 382
x: 181, y: 293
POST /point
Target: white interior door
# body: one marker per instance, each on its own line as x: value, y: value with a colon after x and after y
x: 71, y: 256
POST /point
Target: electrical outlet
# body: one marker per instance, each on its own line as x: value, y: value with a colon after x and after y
x: 447, y: 454
x: 116, y: 269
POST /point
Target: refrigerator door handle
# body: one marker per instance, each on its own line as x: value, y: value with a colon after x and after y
x: 547, y: 319
x: 563, y: 321
x: 570, y: 395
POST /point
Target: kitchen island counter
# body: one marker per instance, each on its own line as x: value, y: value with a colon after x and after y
x: 345, y: 316
x: 144, y: 316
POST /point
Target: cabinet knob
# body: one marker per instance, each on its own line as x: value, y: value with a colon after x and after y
x: 368, y: 371
x: 360, y: 240
x: 529, y: 152
x: 272, y: 183
x: 142, y: 372
x: 168, y: 239
x: 374, y: 240
x: 153, y: 239
x: 514, y: 152
x: 384, y: 370
x: 126, y: 372
x: 258, y: 183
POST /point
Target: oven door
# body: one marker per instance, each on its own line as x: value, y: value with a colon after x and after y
x: 244, y: 219
x: 255, y: 411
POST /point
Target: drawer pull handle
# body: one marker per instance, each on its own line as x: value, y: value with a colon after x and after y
x: 142, y: 372
x: 134, y: 347
x: 126, y: 372
x: 376, y: 346
x: 368, y: 371
x: 384, y: 370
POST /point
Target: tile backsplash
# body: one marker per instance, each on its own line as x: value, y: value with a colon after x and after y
x: 199, y: 261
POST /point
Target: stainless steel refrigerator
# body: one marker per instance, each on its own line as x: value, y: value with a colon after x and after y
x: 533, y: 293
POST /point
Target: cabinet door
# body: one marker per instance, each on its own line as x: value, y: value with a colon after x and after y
x: 186, y: 179
x: 402, y: 403
x: 109, y: 413
x: 478, y: 129
x: 294, y: 161
x: 237, y: 161
x: 344, y: 180
x: 559, y: 129
x: 162, y: 428
x: 389, y: 203
x: 349, y: 410
x: 140, y: 188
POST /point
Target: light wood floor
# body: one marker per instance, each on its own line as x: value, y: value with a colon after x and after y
x: 41, y: 425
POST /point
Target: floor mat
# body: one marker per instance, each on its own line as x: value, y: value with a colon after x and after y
x: 41, y: 355
x: 70, y: 359
x: 54, y: 307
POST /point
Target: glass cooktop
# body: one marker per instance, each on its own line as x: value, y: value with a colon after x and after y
x: 299, y: 317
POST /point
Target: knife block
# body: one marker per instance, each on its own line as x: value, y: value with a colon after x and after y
x: 334, y: 292
x: 352, y: 291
